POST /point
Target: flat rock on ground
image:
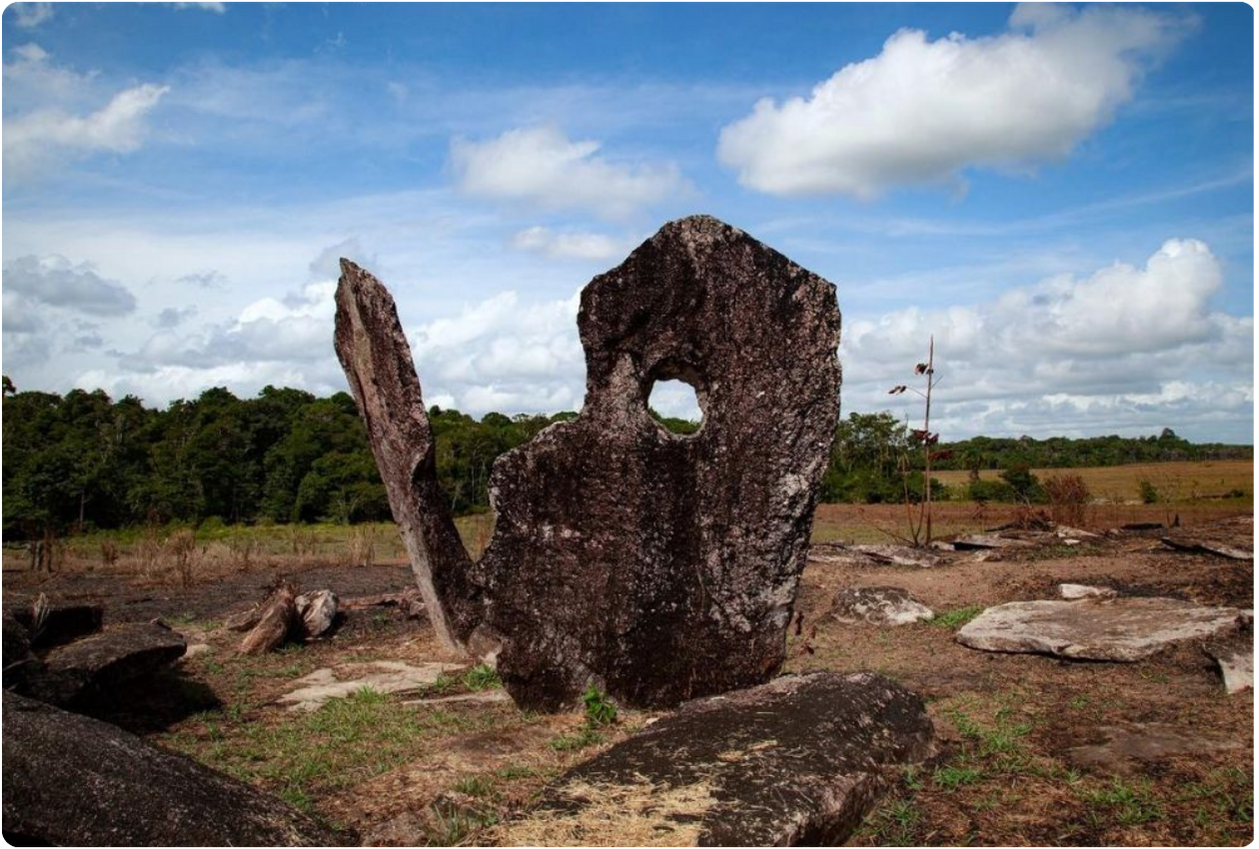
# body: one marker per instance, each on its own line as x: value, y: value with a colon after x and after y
x: 800, y: 760
x: 1132, y: 747
x: 96, y: 665
x: 1232, y: 538
x: 879, y: 606
x: 74, y: 781
x: 1075, y: 592
x: 1124, y: 629
x: 896, y: 555
x: 385, y: 676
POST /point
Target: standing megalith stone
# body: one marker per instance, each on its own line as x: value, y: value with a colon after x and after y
x: 664, y: 567
x: 377, y: 360
x: 656, y: 566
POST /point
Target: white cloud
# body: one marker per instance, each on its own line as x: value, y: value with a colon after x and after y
x: 569, y: 244
x: 503, y: 355
x: 53, y: 126
x: 31, y: 15
x: 922, y: 110
x: 58, y: 282
x: 1124, y: 348
x: 541, y: 167
x: 217, y: 8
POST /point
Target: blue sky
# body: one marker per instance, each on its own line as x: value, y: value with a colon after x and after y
x: 1062, y: 195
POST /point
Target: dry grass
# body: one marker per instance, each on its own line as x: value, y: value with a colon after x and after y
x: 641, y: 814
x: 1183, y: 481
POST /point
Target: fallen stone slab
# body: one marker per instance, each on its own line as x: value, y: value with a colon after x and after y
x: 1203, y: 545
x: 1121, y: 629
x: 409, y: 602
x: 98, y: 665
x: 1129, y: 749
x: 74, y: 781
x: 483, y: 697
x: 980, y: 542
x: 1142, y: 526
x: 1235, y: 655
x: 899, y: 555
x: 385, y: 676
x: 879, y: 606
x: 317, y: 611
x: 799, y: 760
x: 1074, y: 592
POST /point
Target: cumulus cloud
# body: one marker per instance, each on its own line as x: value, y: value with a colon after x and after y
x: 173, y: 317
x: 328, y: 263
x: 922, y: 110
x: 503, y: 355
x: 31, y: 15
x: 58, y: 282
x: 541, y: 167
x: 569, y: 244
x: 1121, y: 348
x: 50, y: 128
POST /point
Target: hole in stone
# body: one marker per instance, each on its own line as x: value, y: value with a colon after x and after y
x: 675, y: 407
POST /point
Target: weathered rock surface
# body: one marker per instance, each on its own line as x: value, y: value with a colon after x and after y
x: 1232, y: 538
x: 385, y: 676
x: 1122, y: 629
x: 1075, y: 592
x: 74, y: 781
x: 277, y: 620
x: 377, y: 360
x: 879, y: 606
x: 1235, y: 655
x: 99, y: 665
x: 894, y: 555
x: 660, y: 567
x: 317, y: 611
x: 800, y: 760
x: 1129, y: 749
x: 980, y: 542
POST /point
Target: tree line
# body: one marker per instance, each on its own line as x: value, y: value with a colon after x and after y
x: 83, y: 460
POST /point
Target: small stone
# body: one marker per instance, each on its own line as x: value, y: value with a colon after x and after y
x: 317, y: 611
x: 74, y: 781
x: 1072, y: 592
x: 879, y: 606
x: 1121, y: 629
x: 797, y: 761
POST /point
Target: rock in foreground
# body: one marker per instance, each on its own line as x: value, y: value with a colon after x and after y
x: 1123, y: 629
x: 800, y: 760
x: 74, y: 781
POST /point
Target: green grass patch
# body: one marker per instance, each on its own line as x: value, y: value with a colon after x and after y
x: 1126, y: 804
x: 953, y: 776
x: 957, y: 617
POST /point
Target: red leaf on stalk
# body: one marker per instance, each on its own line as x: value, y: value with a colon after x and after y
x: 896, y: 390
x: 942, y: 455
x: 921, y: 368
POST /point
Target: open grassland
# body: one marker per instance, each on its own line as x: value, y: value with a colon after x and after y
x: 1174, y: 482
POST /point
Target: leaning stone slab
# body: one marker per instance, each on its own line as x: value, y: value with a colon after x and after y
x: 316, y: 611
x: 376, y: 358
x: 800, y: 760
x: 74, y: 781
x: 1122, y: 629
x: 879, y: 606
x: 98, y: 665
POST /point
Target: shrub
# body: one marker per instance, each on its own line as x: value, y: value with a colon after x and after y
x: 1068, y: 496
x: 1149, y: 493
x: 599, y: 709
x: 1024, y: 484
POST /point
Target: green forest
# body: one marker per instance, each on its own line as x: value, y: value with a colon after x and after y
x: 83, y: 460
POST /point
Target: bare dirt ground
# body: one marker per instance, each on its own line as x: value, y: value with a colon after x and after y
x: 410, y: 768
